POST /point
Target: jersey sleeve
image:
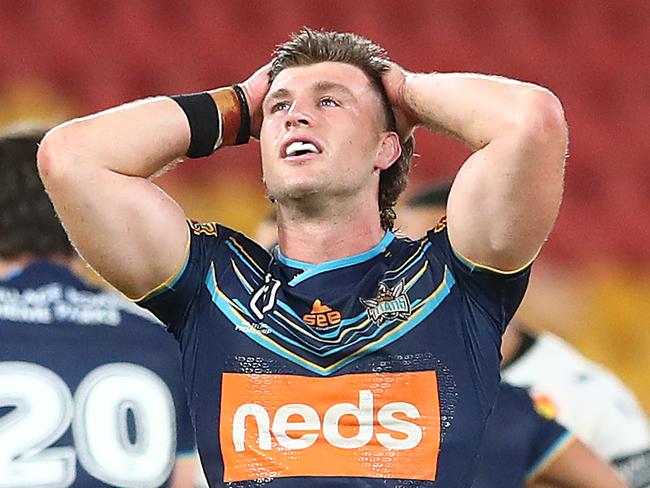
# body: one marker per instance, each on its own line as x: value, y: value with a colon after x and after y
x: 170, y: 302
x: 549, y: 438
x: 496, y: 294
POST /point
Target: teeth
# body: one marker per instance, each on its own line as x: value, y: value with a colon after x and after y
x: 300, y: 146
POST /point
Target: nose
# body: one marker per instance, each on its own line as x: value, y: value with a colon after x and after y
x: 297, y: 116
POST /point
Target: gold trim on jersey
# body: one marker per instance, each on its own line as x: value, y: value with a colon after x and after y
x: 165, y: 284
x: 483, y: 267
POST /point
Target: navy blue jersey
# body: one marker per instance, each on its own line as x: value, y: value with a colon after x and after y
x: 91, y: 393
x: 378, y: 369
x: 518, y: 443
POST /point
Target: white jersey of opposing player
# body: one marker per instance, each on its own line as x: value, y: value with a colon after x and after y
x: 587, y: 398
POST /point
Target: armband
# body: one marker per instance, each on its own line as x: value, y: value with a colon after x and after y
x: 205, y: 123
x: 216, y: 119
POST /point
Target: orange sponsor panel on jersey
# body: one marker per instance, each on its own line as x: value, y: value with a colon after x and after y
x: 377, y: 425
x: 322, y: 315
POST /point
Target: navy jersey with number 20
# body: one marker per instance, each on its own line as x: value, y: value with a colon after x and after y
x: 378, y: 369
x: 91, y: 395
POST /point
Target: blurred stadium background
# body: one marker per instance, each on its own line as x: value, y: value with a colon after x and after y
x: 591, y: 285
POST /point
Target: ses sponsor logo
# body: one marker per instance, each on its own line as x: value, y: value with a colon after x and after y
x: 322, y: 315
x: 367, y: 425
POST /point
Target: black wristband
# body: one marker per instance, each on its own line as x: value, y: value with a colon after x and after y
x: 205, y: 123
x: 244, y: 133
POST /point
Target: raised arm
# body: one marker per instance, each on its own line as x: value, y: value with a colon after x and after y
x: 98, y: 171
x: 577, y: 467
x: 506, y: 196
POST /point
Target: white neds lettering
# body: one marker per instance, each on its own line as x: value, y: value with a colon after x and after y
x: 310, y: 425
x: 387, y: 419
x: 310, y: 422
x: 363, y: 414
x: 263, y: 421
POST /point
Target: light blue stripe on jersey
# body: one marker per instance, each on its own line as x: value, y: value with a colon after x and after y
x: 266, y: 342
x: 420, y: 253
x: 549, y: 454
x: 310, y: 270
x: 243, y: 259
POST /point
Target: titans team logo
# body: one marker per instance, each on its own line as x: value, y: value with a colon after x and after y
x: 389, y: 304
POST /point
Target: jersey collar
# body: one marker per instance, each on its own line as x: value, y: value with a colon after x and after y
x: 310, y: 269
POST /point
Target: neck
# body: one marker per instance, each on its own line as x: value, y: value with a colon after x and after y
x: 9, y: 266
x: 317, y: 239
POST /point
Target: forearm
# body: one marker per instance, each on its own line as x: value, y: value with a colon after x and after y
x: 141, y: 138
x: 136, y: 139
x: 475, y: 108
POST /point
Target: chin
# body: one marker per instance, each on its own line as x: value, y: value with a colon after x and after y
x: 293, y: 192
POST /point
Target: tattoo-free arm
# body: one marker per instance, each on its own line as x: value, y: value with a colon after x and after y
x: 506, y: 196
x: 98, y: 172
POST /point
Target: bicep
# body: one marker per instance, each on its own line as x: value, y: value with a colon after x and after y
x: 132, y: 233
x: 506, y: 196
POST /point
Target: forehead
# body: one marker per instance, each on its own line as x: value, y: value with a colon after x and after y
x: 304, y: 77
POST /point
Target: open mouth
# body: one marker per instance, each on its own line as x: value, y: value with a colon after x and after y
x: 299, y: 147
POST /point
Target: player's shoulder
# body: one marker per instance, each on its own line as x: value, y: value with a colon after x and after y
x: 404, y: 249
x: 218, y: 240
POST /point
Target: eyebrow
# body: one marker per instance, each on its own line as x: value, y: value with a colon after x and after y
x: 318, y: 87
x: 277, y: 94
x: 323, y: 86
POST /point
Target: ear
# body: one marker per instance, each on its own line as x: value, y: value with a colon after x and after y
x: 389, y: 150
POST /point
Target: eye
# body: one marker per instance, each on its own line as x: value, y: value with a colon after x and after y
x: 329, y: 102
x: 278, y: 106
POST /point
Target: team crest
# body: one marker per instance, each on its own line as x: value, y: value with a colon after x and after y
x: 389, y: 304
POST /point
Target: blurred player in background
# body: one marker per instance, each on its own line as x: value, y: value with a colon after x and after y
x: 266, y: 233
x: 585, y: 397
x: 521, y: 448
x: 345, y: 320
x: 90, y: 388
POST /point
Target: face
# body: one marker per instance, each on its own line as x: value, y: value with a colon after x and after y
x: 323, y: 133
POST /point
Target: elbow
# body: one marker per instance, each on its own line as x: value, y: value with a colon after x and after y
x: 52, y: 158
x: 542, y: 118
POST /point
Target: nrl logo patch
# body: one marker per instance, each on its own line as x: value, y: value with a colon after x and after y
x: 389, y: 304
